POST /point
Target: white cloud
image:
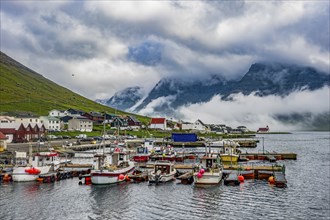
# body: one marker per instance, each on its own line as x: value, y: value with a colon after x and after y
x: 92, y: 39
x: 254, y: 111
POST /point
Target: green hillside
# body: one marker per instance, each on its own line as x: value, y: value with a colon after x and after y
x: 23, y: 90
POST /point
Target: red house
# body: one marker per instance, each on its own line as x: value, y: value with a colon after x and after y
x: 263, y: 130
x: 158, y: 123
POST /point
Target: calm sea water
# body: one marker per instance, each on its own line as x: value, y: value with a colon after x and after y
x: 306, y: 197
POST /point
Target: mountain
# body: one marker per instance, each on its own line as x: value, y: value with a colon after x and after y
x: 278, y: 79
x: 126, y: 98
x: 24, y: 90
x: 262, y: 79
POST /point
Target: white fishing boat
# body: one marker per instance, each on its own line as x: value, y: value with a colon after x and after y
x: 37, y: 164
x: 111, y: 168
x: 163, y: 171
x: 209, y: 171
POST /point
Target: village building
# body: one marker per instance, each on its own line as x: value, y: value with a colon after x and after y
x: 133, y: 123
x: 119, y: 122
x: 58, y: 113
x: 72, y: 111
x: 80, y: 123
x: 187, y: 126
x: 96, y: 117
x: 27, y: 118
x: 263, y: 130
x: 158, y: 123
x: 51, y: 123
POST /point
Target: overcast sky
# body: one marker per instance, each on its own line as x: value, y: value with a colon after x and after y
x: 96, y: 48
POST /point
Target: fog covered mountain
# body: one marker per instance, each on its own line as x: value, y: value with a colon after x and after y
x: 126, y: 98
x: 261, y: 80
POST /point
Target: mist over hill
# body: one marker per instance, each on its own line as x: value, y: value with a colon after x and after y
x: 170, y: 96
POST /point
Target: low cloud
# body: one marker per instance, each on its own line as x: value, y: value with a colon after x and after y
x: 254, y: 111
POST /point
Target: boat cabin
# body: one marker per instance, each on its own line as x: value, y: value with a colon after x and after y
x: 165, y: 167
x: 142, y: 150
x: 210, y: 161
x: 44, y: 158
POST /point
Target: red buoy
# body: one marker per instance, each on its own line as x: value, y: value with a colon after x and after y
x: 241, y: 178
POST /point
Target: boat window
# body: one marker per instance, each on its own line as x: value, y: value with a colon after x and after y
x: 209, y: 163
x: 121, y: 157
x: 140, y: 150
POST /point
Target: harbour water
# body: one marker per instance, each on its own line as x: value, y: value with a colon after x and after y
x: 307, y: 195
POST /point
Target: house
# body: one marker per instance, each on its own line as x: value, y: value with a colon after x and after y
x: 243, y: 129
x: 263, y: 130
x: 200, y: 126
x: 7, y: 122
x: 51, y: 123
x: 24, y: 132
x: 80, y: 123
x: 158, y: 123
x: 133, y: 122
x: 26, y: 118
x: 66, y: 119
x: 118, y: 122
x: 187, y: 126
x: 96, y: 117
x: 58, y: 113
x: 72, y: 111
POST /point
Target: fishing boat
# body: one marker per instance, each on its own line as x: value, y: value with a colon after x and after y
x: 163, y: 171
x: 209, y: 171
x: 143, y: 152
x: 37, y: 164
x: 111, y: 168
x: 229, y: 152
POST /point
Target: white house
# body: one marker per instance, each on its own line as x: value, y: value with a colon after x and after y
x: 80, y: 123
x: 58, y: 113
x: 187, y: 126
x: 158, y: 123
x: 200, y: 126
x: 51, y: 123
x: 27, y: 119
x: 7, y: 122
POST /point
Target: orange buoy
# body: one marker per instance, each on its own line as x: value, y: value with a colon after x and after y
x: 271, y: 180
x: 241, y: 178
x: 127, y: 178
x: 40, y: 180
x: 6, y: 177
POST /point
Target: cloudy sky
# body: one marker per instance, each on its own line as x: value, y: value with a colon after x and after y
x: 96, y: 48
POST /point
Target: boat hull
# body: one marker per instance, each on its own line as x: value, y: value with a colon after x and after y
x: 208, y: 178
x: 106, y: 177
x: 20, y: 175
x: 229, y: 158
x: 141, y: 158
x: 163, y: 178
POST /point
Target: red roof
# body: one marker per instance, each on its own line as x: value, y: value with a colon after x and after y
x: 2, y: 136
x: 263, y: 129
x: 158, y: 121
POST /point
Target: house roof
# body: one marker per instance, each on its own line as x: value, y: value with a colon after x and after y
x: 133, y: 118
x: 263, y: 129
x: 158, y: 121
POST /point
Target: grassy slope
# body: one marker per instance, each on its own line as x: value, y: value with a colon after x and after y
x: 22, y: 89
